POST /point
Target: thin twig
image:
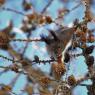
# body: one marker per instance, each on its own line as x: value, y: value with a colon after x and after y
x: 27, y: 43
x: 84, y: 85
x: 13, y: 10
x: 10, y: 68
x: 75, y: 7
x: 83, y: 79
x: 27, y: 40
x: 34, y: 61
x: 49, y: 3
x: 6, y: 58
x: 43, y: 61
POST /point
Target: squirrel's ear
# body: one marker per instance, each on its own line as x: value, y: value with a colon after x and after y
x: 45, y: 39
x: 54, y: 35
